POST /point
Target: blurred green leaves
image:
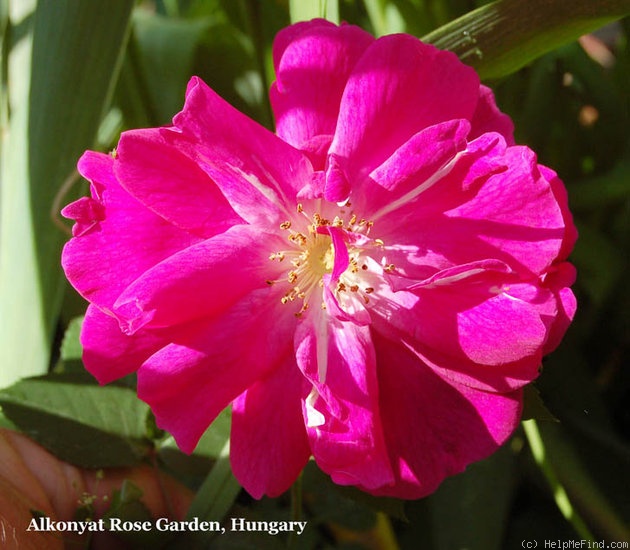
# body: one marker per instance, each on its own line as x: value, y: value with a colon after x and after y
x: 79, y: 422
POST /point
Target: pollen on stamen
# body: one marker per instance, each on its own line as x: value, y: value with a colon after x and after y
x: 285, y: 225
x: 389, y: 267
x: 369, y: 290
x: 277, y: 256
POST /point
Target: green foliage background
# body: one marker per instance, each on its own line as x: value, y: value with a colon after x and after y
x: 77, y: 73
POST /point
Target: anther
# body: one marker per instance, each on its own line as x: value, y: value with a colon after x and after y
x: 285, y: 225
x: 369, y: 290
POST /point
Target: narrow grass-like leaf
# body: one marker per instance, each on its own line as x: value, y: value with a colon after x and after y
x: 303, y: 10
x: 79, y: 422
x: 213, y: 501
x: 500, y: 38
x: 166, y: 49
x: 62, y: 58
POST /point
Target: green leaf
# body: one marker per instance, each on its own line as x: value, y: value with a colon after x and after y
x: 71, y: 348
x: 166, y: 48
x: 477, y: 502
x: 500, y: 38
x: 84, y: 424
x: 304, y: 10
x: 213, y: 501
x: 208, y: 449
x: 60, y: 61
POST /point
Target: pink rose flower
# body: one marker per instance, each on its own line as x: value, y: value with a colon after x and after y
x: 373, y: 285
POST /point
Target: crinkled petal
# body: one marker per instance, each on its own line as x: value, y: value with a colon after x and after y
x: 412, y: 168
x: 119, y: 238
x: 200, y: 281
x: 108, y: 353
x: 560, y: 193
x: 189, y: 382
x: 511, y: 215
x: 270, y: 411
x: 258, y: 173
x: 434, y: 429
x: 171, y: 184
x: 399, y: 87
x: 485, y: 329
x: 559, y: 278
x: 313, y: 61
x: 341, y: 411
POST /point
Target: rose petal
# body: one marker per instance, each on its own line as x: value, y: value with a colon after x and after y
x: 488, y: 117
x: 121, y: 243
x: 434, y: 429
x: 510, y: 215
x: 313, y: 61
x: 341, y: 411
x: 399, y: 87
x: 108, y: 353
x: 168, y: 182
x: 189, y: 382
x: 260, y: 175
x: 200, y: 281
x: 270, y: 410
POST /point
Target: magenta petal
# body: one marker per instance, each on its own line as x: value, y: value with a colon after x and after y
x: 313, y: 61
x: 472, y: 321
x: 189, y: 382
x: 561, y: 195
x: 270, y: 410
x: 200, y: 281
x: 433, y: 428
x: 486, y: 330
x: 108, y: 354
x: 413, y: 167
x: 171, y: 184
x: 511, y: 215
x: 258, y: 173
x: 559, y: 278
x: 119, y: 243
x: 342, y: 412
x: 488, y: 118
x: 399, y: 87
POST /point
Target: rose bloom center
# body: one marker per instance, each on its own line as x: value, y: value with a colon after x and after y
x: 328, y: 251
